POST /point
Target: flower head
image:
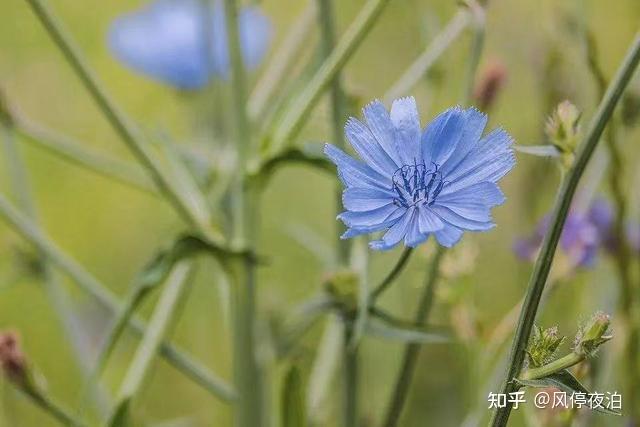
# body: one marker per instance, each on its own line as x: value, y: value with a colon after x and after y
x: 413, y: 183
x: 582, y: 235
x: 168, y: 40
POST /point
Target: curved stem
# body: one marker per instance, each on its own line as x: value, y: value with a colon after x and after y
x: 558, y: 217
x: 411, y: 352
x: 393, y: 274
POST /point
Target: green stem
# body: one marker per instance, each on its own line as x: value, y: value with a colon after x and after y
x: 97, y: 290
x: 162, y: 318
x: 623, y: 256
x: 250, y: 408
x: 393, y: 274
x: 302, y: 105
x: 56, y: 293
x: 74, y: 152
x: 281, y: 62
x: 411, y: 352
x: 53, y: 408
x: 551, y: 368
x: 431, y: 54
x: 558, y: 217
x: 350, y: 363
x: 477, y: 45
x: 193, y: 209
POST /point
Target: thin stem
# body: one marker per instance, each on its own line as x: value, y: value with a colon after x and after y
x: 350, y: 363
x: 623, y: 256
x: 301, y: 107
x: 53, y: 408
x: 74, y: 152
x: 551, y: 368
x: 162, y: 318
x: 250, y: 410
x: 558, y: 217
x: 477, y: 45
x: 411, y: 352
x: 281, y: 62
x: 193, y: 209
x: 97, y: 290
x: 393, y: 274
x: 431, y: 54
x: 59, y: 298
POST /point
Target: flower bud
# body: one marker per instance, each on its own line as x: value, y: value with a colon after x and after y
x: 563, y: 130
x: 543, y: 345
x: 343, y: 287
x: 12, y: 359
x: 593, y: 334
x: 491, y: 81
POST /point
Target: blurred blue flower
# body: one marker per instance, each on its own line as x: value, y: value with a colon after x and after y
x: 415, y: 183
x: 167, y: 40
x: 582, y: 235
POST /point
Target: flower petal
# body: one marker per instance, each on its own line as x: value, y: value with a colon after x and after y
x: 395, y: 233
x: 365, y: 144
x: 475, y: 123
x: 365, y: 199
x: 448, y: 236
x: 482, y: 193
x: 414, y: 236
x: 489, y: 161
x: 429, y: 221
x: 442, y: 135
x: 461, y: 222
x: 372, y: 217
x: 354, y: 173
x: 379, y: 122
x: 405, y: 118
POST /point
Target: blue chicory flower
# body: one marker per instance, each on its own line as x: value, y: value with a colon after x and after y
x: 583, y: 234
x: 167, y: 40
x: 414, y: 183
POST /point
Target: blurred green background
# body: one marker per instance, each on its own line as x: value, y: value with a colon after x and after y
x: 113, y: 230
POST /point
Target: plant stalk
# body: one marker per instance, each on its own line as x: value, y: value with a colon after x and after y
x: 558, y: 217
x: 393, y: 274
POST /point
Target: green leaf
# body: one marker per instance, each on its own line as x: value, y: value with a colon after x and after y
x: 538, y: 150
x: 122, y: 415
x: 565, y: 381
x: 293, y: 400
x: 380, y: 328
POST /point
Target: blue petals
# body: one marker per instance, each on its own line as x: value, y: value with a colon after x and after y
x: 414, y: 184
x: 405, y: 119
x: 167, y: 40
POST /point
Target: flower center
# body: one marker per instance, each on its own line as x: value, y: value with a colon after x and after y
x: 416, y: 184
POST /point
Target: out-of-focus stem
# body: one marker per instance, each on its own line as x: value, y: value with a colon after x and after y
x: 338, y: 113
x: 92, y: 286
x: 250, y: 407
x: 558, y: 217
x: 628, y: 302
x: 191, y: 207
x: 393, y: 274
x: 411, y: 352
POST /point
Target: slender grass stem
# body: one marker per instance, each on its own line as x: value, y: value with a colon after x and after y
x: 281, y: 62
x: 627, y: 302
x: 431, y: 54
x: 92, y: 286
x: 393, y: 274
x: 477, y: 45
x: 250, y: 408
x: 301, y: 107
x: 338, y: 116
x: 162, y: 318
x: 558, y: 217
x: 53, y: 408
x: 58, y: 296
x: 191, y: 207
x: 411, y: 352
x: 73, y: 152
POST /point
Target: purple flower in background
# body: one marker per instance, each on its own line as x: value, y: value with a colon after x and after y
x: 168, y: 40
x: 583, y: 234
x: 413, y: 183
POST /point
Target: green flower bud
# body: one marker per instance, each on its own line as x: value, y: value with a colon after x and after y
x: 543, y: 345
x: 593, y: 334
x: 343, y: 287
x: 563, y: 130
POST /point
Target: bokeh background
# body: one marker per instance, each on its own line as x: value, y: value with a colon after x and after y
x: 114, y: 230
